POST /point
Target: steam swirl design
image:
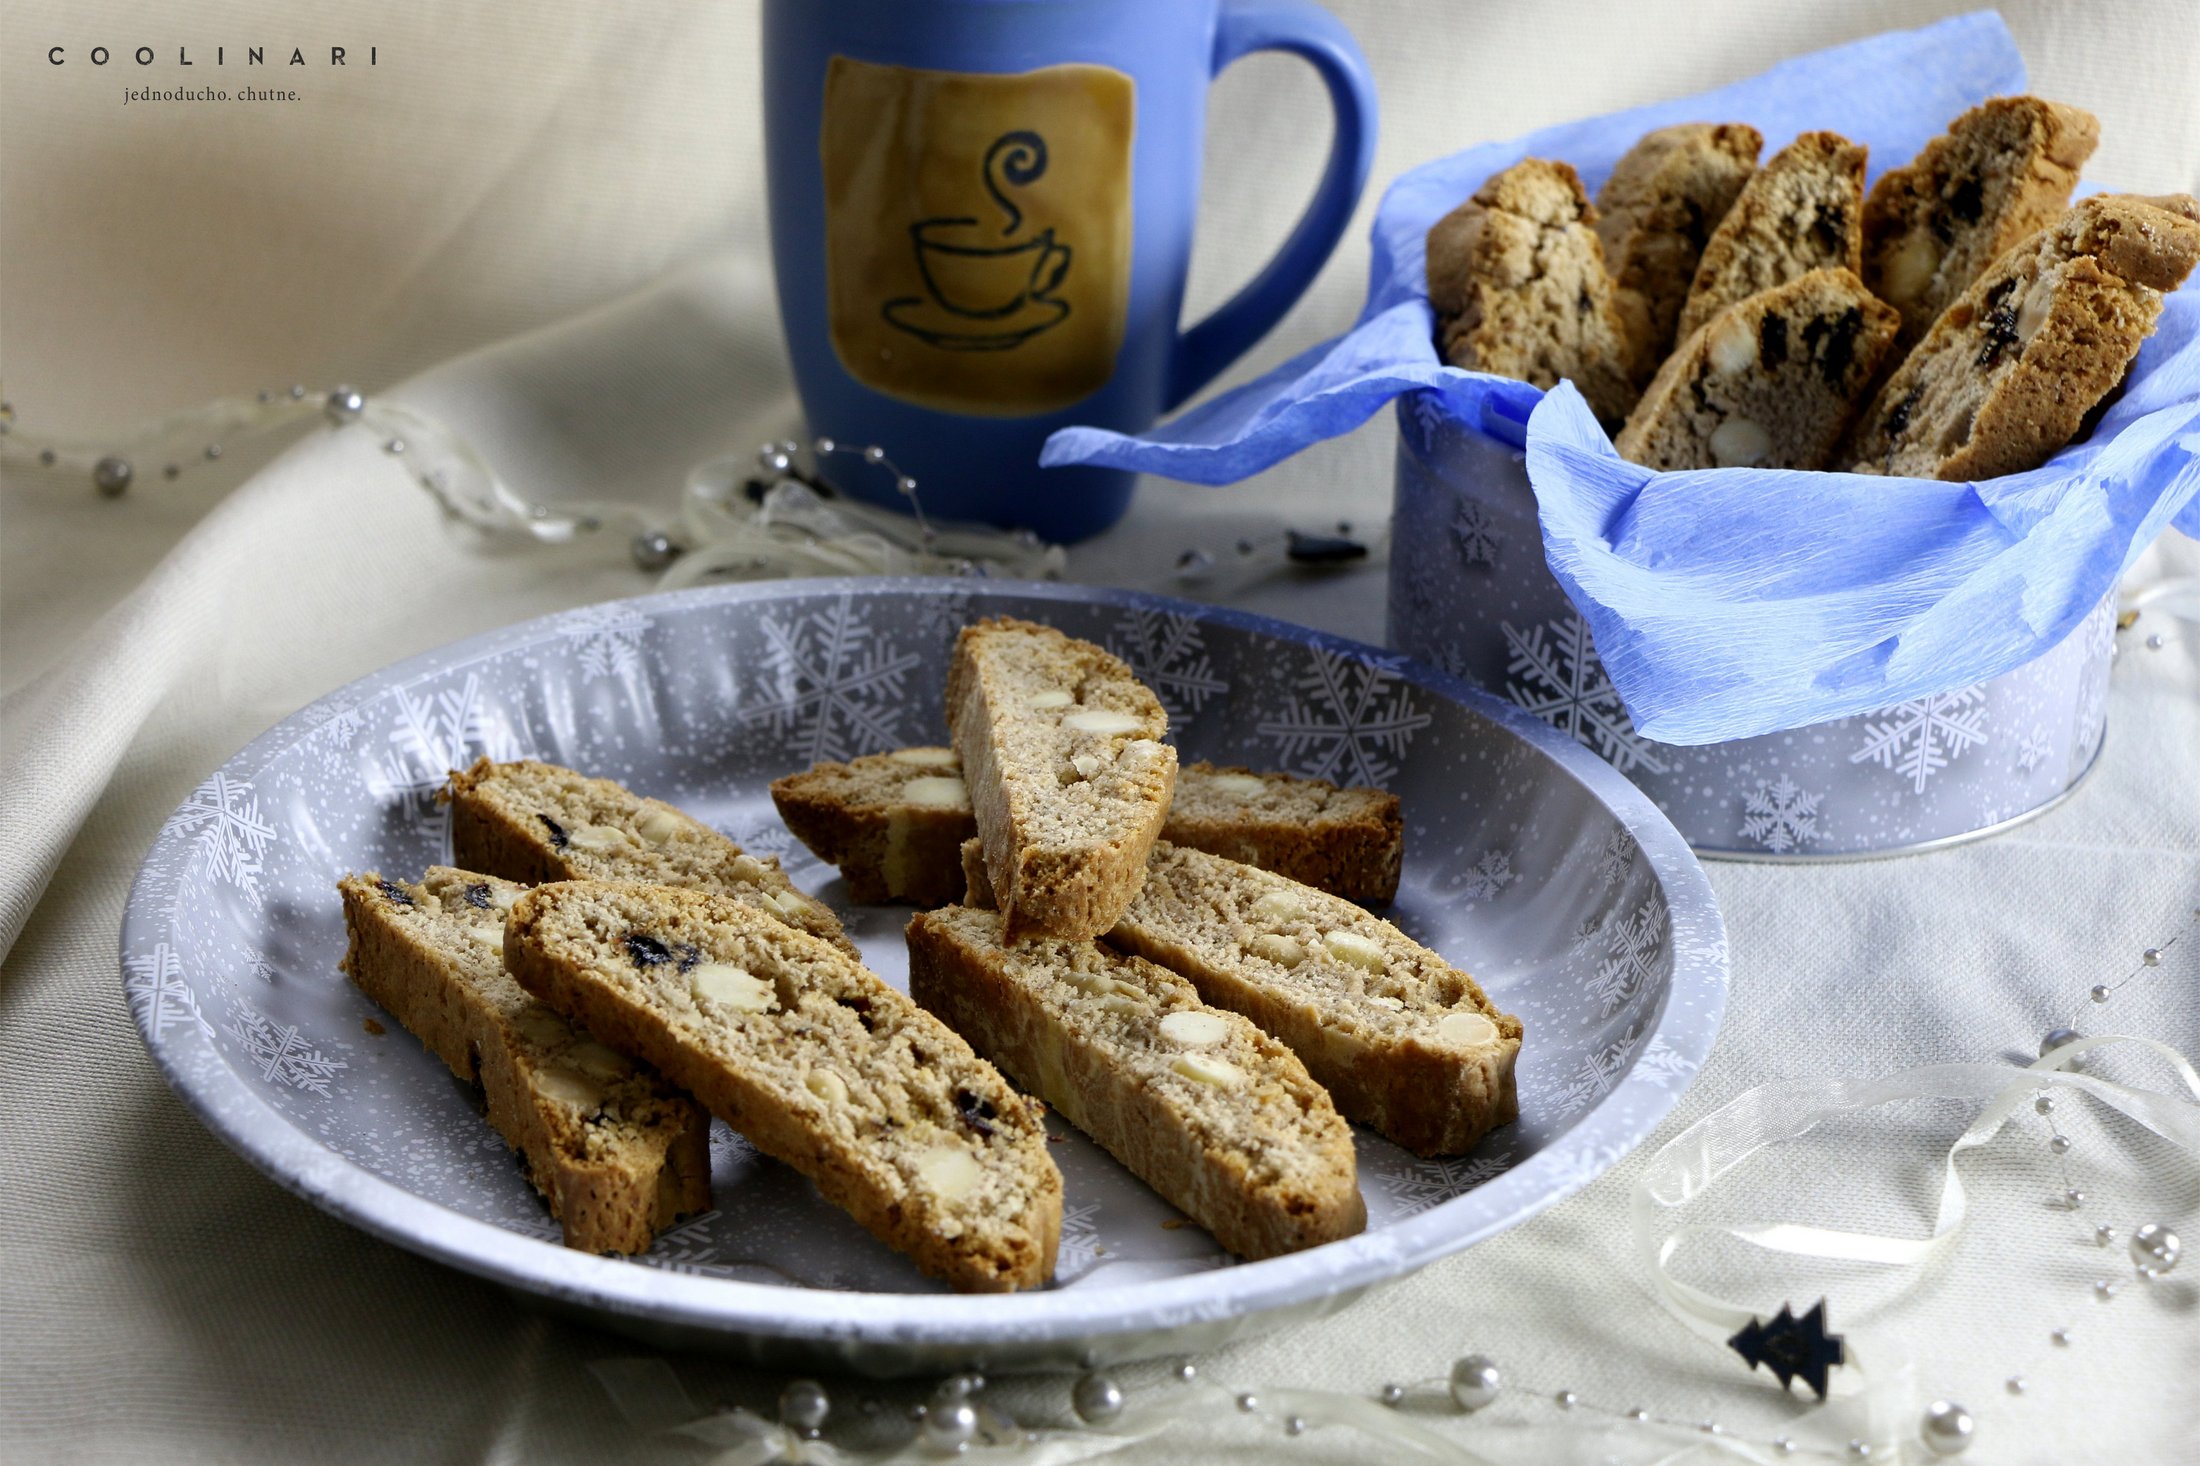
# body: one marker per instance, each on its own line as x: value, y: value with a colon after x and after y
x: 1015, y: 159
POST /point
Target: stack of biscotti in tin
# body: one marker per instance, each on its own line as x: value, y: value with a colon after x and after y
x: 1960, y: 320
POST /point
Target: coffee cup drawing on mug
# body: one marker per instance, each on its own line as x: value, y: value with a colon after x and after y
x: 986, y: 295
x: 978, y: 232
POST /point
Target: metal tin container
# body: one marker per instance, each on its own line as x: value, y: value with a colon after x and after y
x: 1470, y: 592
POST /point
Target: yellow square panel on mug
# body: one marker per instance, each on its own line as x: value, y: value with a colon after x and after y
x: 978, y: 232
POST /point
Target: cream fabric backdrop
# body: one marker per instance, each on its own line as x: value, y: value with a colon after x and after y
x: 502, y: 168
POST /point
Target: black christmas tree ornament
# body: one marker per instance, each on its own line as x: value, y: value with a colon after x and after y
x: 1792, y: 1348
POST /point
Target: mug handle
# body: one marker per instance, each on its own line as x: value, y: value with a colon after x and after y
x: 1306, y: 30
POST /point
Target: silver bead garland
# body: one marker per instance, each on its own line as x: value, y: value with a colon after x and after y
x: 734, y: 525
x: 804, y: 1407
x: 1947, y: 1428
x: 1097, y: 1399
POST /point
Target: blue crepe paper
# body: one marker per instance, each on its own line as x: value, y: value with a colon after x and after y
x: 1881, y: 589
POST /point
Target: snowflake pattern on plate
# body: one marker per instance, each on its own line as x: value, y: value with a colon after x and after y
x: 1630, y: 961
x: 1487, y: 876
x: 265, y: 979
x: 1474, y: 531
x: 1080, y: 1246
x: 1597, y: 1073
x: 159, y: 996
x: 1562, y: 681
x: 833, y: 687
x: 606, y: 640
x: 1780, y: 816
x: 1350, y: 722
x: 281, y: 1053
x: 1662, y: 1066
x: 1617, y: 858
x: 1427, y: 1182
x: 691, y: 1247
x: 434, y: 734
x: 339, y: 722
x: 1918, y: 738
x: 1170, y: 656
x: 228, y: 833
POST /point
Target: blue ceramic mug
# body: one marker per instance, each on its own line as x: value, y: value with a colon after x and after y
x: 981, y: 216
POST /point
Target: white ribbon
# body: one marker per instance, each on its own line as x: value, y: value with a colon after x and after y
x: 1687, y: 1167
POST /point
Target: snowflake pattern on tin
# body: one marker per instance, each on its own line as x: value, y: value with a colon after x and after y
x: 1432, y: 1182
x: 1781, y: 816
x: 1487, y: 876
x: 1474, y: 532
x: 1630, y: 958
x: 1167, y: 652
x: 833, y: 687
x: 2032, y: 748
x: 2098, y: 630
x: 1597, y: 1073
x: 606, y: 640
x: 281, y: 1054
x: 1918, y: 738
x: 160, y: 997
x: 230, y: 836
x: 434, y: 734
x: 1350, y: 722
x: 1562, y: 682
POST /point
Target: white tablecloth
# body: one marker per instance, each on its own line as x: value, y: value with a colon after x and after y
x: 498, y: 170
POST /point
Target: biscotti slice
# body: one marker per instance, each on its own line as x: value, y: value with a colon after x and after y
x: 534, y: 822
x: 1772, y: 382
x: 2006, y: 376
x: 617, y: 1152
x: 1656, y: 212
x: 1350, y: 842
x: 1215, y: 1115
x: 1068, y: 777
x: 793, y: 1043
x: 2002, y: 172
x: 1802, y: 211
x: 1520, y: 288
x: 895, y: 823
x: 1404, y: 1042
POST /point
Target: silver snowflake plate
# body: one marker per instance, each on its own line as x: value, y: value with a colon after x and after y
x: 1470, y: 592
x: 1529, y: 861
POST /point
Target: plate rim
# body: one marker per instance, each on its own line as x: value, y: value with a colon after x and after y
x: 289, y: 1156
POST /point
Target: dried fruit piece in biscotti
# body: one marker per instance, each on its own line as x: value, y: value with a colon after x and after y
x: 533, y: 822
x: 796, y: 1045
x: 1068, y: 777
x: 1772, y: 382
x: 1216, y: 1116
x: 1518, y: 281
x: 2007, y: 375
x: 617, y: 1152
x: 1404, y: 1042
x: 895, y: 822
x: 2001, y: 172
x: 1802, y: 211
x: 1656, y: 212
